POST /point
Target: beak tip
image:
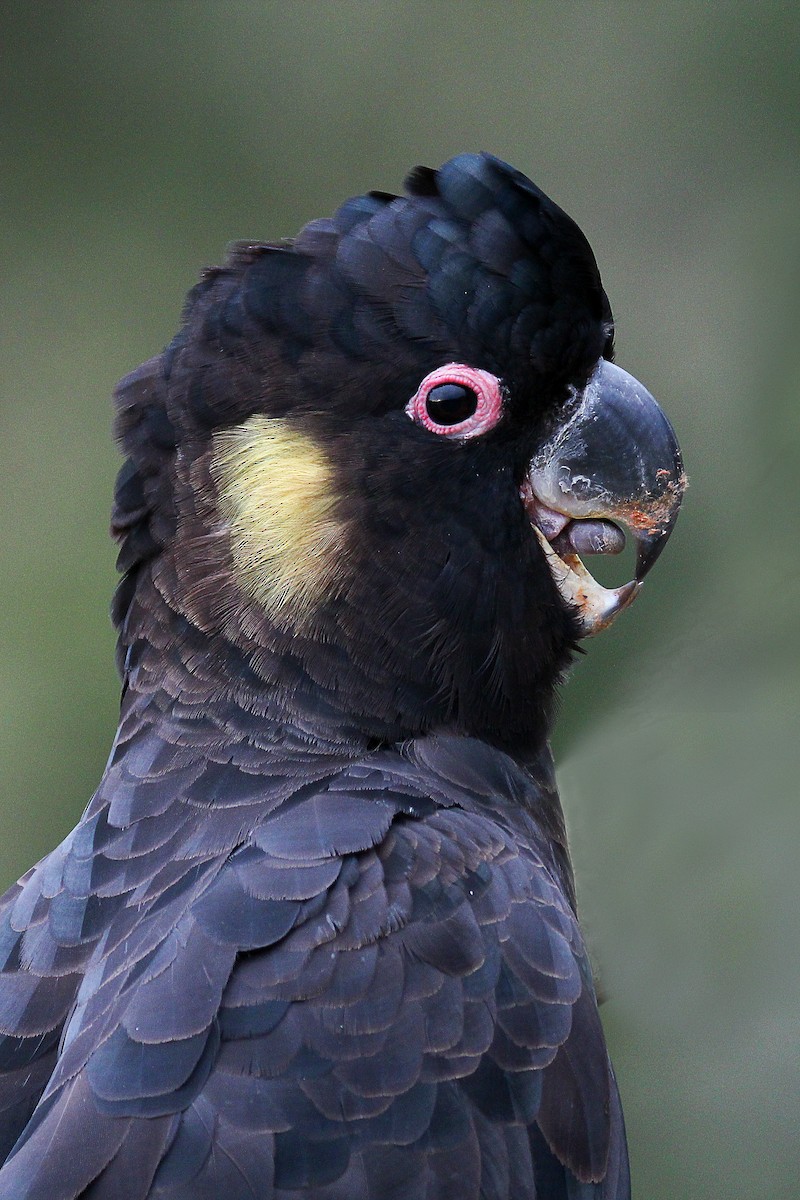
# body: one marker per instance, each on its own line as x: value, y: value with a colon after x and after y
x: 597, y: 616
x: 649, y: 547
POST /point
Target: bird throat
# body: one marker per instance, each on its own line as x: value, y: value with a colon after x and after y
x: 277, y: 496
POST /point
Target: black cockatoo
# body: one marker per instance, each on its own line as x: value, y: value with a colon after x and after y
x: 315, y: 938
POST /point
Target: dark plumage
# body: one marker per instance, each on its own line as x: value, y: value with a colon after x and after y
x: 315, y: 935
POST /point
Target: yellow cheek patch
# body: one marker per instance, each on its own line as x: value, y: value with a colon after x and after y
x: 276, y: 493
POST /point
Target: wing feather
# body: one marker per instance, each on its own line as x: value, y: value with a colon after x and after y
x: 379, y: 989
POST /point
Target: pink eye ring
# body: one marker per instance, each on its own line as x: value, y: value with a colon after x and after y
x: 457, y: 401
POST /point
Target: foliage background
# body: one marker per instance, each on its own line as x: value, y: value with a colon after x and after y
x: 139, y: 138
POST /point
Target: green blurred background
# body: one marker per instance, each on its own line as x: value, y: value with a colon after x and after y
x: 139, y: 138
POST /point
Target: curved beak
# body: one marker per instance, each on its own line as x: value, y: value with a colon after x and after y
x: 614, y: 461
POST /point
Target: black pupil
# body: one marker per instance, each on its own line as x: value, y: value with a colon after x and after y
x: 450, y: 403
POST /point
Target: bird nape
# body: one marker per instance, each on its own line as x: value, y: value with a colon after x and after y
x: 315, y: 937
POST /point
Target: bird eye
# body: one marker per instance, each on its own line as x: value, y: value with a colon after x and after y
x: 457, y: 401
x: 450, y: 403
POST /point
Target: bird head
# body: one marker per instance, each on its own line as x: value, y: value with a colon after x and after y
x: 359, y: 480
